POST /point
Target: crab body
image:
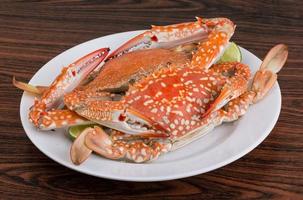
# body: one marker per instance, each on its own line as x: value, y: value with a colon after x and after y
x: 156, y: 93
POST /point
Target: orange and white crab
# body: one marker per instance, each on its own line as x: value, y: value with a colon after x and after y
x: 154, y: 96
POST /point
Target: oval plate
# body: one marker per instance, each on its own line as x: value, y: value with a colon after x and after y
x: 220, y: 147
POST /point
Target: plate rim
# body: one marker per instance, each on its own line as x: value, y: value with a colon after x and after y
x: 155, y: 178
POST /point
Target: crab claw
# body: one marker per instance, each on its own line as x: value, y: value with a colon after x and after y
x: 165, y: 37
x: 267, y: 75
x: 113, y: 114
x: 68, y: 80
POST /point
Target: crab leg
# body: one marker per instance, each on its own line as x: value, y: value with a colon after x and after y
x: 97, y: 140
x: 263, y: 81
x: 267, y: 75
x: 69, y: 79
x: 234, y: 87
x: 235, y: 108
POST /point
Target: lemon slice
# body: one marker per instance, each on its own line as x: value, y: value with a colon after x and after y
x: 74, y: 131
x: 231, y: 54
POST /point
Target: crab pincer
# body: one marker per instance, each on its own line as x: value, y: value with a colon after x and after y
x: 165, y: 37
x: 69, y: 78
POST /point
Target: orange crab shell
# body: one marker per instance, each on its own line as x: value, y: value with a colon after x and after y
x: 176, y: 97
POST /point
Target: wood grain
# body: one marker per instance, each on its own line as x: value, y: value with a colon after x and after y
x: 33, y: 32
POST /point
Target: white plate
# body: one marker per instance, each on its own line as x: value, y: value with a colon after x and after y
x: 220, y: 147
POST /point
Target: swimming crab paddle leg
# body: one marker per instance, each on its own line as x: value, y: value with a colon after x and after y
x: 68, y: 80
x: 263, y: 81
x: 266, y: 76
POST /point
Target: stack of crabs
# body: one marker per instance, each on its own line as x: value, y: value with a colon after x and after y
x: 156, y: 93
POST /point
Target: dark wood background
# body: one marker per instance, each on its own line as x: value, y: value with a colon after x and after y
x: 33, y: 32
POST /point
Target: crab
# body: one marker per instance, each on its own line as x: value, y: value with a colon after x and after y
x: 156, y: 98
x: 47, y: 112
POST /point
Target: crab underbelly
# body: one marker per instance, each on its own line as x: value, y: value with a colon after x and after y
x: 176, y: 100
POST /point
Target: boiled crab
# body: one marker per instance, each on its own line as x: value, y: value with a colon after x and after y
x: 163, y: 103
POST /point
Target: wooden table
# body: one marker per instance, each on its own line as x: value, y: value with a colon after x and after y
x: 32, y: 33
